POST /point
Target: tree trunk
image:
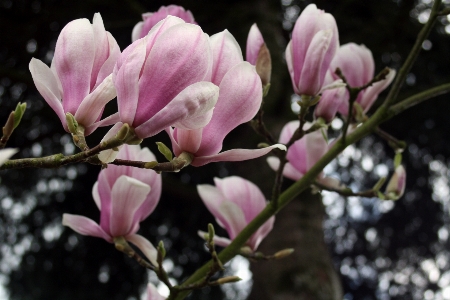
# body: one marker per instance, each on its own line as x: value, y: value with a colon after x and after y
x: 307, y: 274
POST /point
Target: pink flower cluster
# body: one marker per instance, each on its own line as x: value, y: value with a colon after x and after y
x: 173, y: 77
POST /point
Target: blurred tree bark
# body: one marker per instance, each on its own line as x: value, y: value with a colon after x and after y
x: 307, y: 274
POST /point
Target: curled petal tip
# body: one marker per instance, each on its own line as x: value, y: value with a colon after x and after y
x: 280, y: 146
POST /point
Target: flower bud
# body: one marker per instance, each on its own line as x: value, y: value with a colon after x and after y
x: 259, y: 55
x: 396, y: 186
x: 314, y: 43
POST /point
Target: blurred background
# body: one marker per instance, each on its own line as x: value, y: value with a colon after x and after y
x: 373, y: 249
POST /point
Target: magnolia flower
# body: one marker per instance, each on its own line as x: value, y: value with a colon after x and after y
x: 239, y: 100
x: 5, y: 154
x: 303, y: 154
x: 357, y: 65
x: 396, y: 186
x: 235, y: 202
x: 151, y: 19
x: 79, y: 80
x: 163, y: 79
x: 314, y: 43
x: 125, y: 196
x: 258, y: 54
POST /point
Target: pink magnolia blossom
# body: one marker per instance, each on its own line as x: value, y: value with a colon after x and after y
x: 239, y: 100
x: 357, y: 65
x: 79, y: 80
x: 125, y: 196
x: 303, y: 154
x: 258, y: 54
x: 235, y: 202
x: 163, y: 79
x: 152, y: 18
x: 396, y: 186
x: 314, y: 43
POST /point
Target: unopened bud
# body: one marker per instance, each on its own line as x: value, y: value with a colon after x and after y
x: 123, y: 132
x: 396, y: 186
x: 264, y: 65
x: 258, y: 55
x: 228, y: 279
x: 283, y: 253
x: 164, y: 150
x: 161, y: 251
x: 72, y: 124
x: 18, y: 113
x: 211, y: 232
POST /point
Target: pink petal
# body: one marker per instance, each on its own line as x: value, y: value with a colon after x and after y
x: 255, y: 41
x: 47, y: 85
x: 193, y: 101
x: 74, y: 58
x: 189, y: 140
x: 304, y: 30
x: 239, y: 100
x: 151, y: 178
x: 226, y: 54
x: 289, y: 171
x: 233, y: 218
x: 104, y: 191
x: 329, y: 103
x: 112, y: 119
x: 196, y: 121
x: 175, y: 147
x: 356, y: 63
x: 92, y: 106
x: 85, y: 226
x: 126, y: 82
x: 127, y: 196
x: 136, y: 33
x: 371, y: 93
x: 261, y: 233
x: 96, y: 196
x: 183, y: 47
x: 290, y: 64
x: 158, y: 29
x: 316, y: 147
x: 108, y: 156
x: 101, y: 48
x: 244, y: 194
x: 212, y: 198
x: 108, y: 65
x: 288, y: 131
x: 313, y: 72
x: 145, y: 246
x: 235, y: 155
